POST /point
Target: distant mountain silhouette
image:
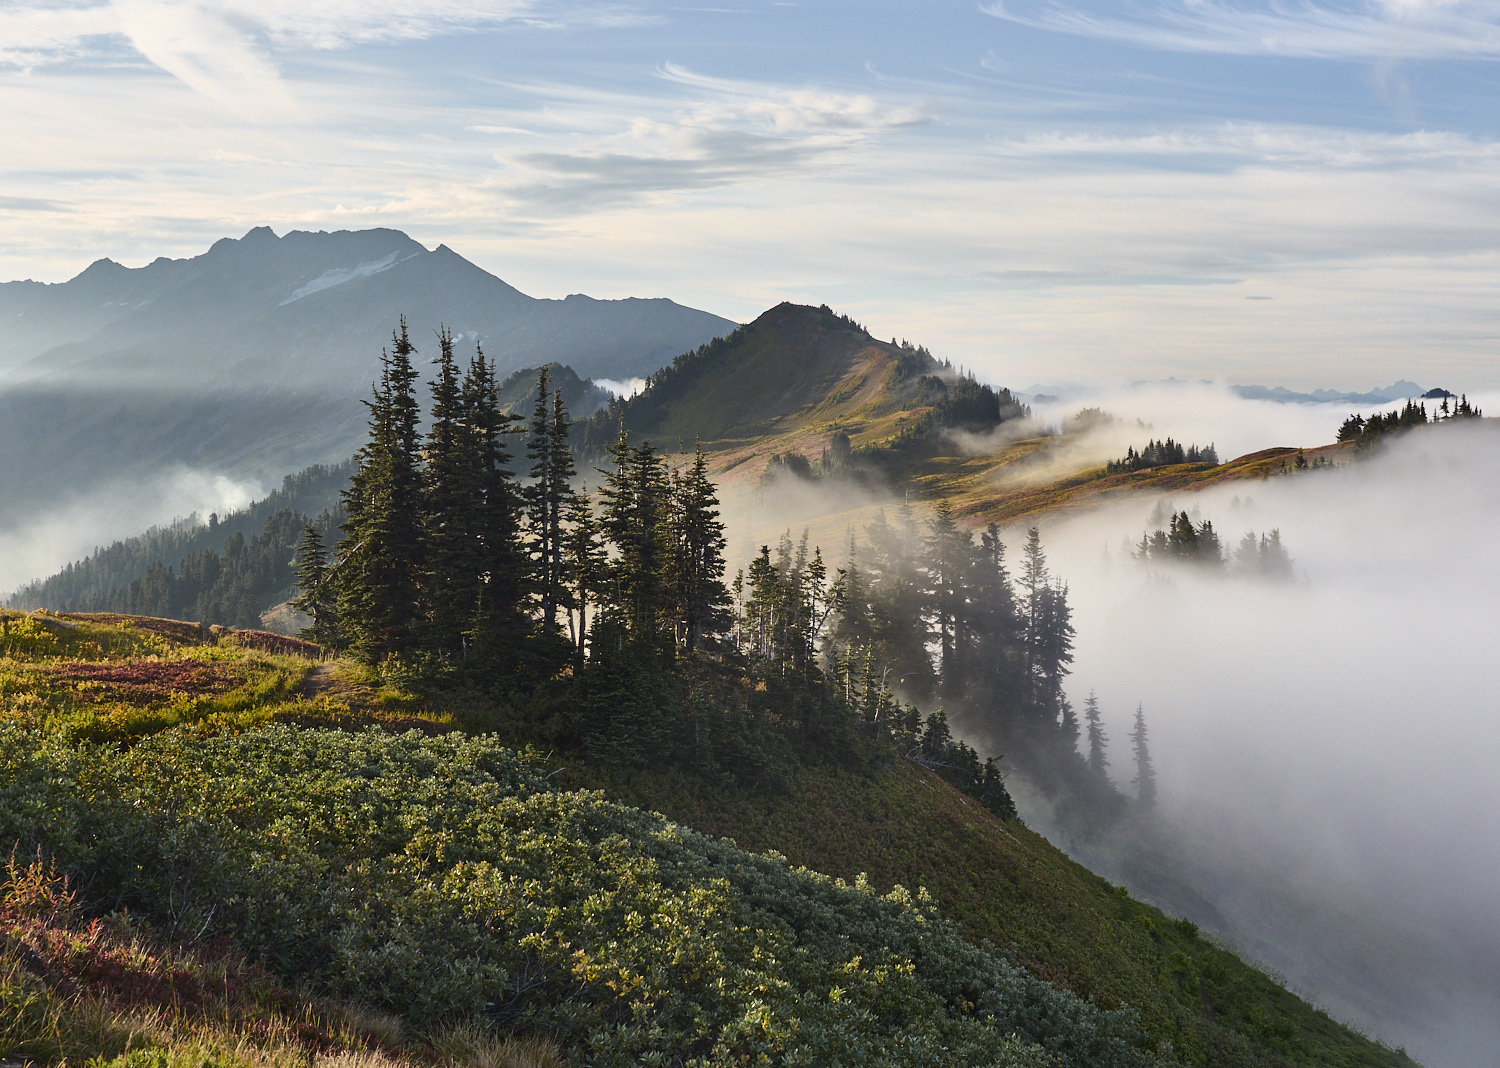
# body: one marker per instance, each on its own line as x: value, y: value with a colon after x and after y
x: 315, y: 309
x: 252, y: 359
x: 1401, y: 390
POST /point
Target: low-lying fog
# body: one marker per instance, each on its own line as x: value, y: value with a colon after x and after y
x: 36, y: 545
x: 1327, y: 750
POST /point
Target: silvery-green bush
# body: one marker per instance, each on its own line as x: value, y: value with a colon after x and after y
x: 441, y: 878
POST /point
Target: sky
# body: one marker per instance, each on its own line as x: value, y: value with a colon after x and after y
x: 1304, y: 194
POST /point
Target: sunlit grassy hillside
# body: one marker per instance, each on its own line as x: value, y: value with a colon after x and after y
x: 321, y: 890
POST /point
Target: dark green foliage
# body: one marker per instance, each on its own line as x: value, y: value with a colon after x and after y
x: 546, y: 499
x: 1183, y: 541
x: 1365, y: 433
x: 440, y: 878
x: 1145, y: 772
x: 231, y: 588
x: 581, y: 396
x: 381, y: 566
x: 318, y: 598
x: 95, y: 583
x: 1097, y: 758
x: 1161, y: 454
x: 695, y: 564
x: 635, y: 519
x: 928, y: 742
x: 451, y: 512
x: 955, y: 402
x: 500, y: 579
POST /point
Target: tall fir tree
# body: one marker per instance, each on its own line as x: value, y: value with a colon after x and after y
x: 898, y: 602
x: 1098, y: 741
x: 997, y: 670
x: 547, y: 498
x: 318, y: 598
x: 949, y: 562
x: 498, y: 618
x: 452, y: 516
x: 635, y: 495
x: 696, y: 533
x: 1145, y: 771
x: 584, y: 569
x: 380, y: 567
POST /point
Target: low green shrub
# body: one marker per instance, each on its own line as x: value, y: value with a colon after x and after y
x: 440, y: 878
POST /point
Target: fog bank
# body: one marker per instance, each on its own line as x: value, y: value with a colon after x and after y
x: 37, y: 545
x: 1326, y: 749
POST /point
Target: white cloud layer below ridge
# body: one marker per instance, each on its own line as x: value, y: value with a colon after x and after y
x: 1325, y: 748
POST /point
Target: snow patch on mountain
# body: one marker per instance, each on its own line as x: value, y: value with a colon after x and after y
x: 339, y: 275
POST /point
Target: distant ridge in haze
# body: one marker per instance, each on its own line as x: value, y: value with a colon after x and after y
x: 251, y: 360
x: 1401, y: 390
x: 315, y: 308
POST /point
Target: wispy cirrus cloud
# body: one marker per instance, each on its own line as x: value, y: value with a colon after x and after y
x: 227, y: 50
x: 1395, y: 29
x: 708, y: 132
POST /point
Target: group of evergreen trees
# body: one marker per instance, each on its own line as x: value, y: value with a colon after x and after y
x: 1366, y: 432
x: 1161, y: 454
x: 1183, y: 541
x: 447, y: 558
x: 616, y: 603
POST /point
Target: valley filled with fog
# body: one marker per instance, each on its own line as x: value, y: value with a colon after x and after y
x: 1325, y: 747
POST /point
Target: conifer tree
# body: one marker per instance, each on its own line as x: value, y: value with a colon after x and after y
x: 318, y: 598
x: 453, y: 497
x: 635, y: 510
x: 1048, y: 634
x: 583, y: 569
x: 851, y: 603
x: 380, y: 567
x: 498, y: 619
x: 997, y: 648
x: 1145, y: 772
x: 1098, y: 760
x: 547, y: 496
x: 898, y: 601
x: 697, y: 541
x: 949, y: 553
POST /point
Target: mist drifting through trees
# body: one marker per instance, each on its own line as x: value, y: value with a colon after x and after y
x: 1324, y: 747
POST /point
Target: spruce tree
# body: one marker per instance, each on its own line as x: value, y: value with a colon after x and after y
x: 318, y: 598
x: 1098, y: 760
x: 998, y: 647
x: 452, y: 484
x: 949, y: 553
x: 1145, y: 772
x: 583, y: 570
x: 498, y: 619
x: 634, y: 514
x: 696, y: 532
x: 547, y: 497
x: 380, y: 567
x: 898, y: 601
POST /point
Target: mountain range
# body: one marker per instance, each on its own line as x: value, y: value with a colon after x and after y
x: 252, y: 359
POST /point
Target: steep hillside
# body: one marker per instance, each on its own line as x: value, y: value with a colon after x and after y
x: 221, y: 724
x: 1009, y: 885
x: 583, y: 396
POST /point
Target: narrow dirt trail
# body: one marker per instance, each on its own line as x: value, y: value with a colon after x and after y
x: 319, y: 680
